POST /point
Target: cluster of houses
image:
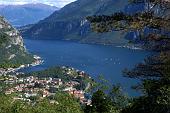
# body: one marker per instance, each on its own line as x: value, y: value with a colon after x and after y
x: 6, y: 71
x: 32, y: 86
x: 28, y: 87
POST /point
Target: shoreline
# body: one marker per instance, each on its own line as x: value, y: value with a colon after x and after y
x: 120, y: 45
x: 38, y: 61
x: 132, y: 47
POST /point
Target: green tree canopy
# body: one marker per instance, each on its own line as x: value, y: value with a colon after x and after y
x: 154, y: 72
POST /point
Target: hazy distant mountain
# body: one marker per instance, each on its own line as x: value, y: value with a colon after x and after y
x: 19, y: 15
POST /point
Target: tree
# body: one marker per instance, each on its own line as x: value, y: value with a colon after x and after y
x: 154, y: 73
x: 155, y: 84
x: 61, y: 103
x: 154, y: 19
x: 107, y: 99
x: 101, y: 103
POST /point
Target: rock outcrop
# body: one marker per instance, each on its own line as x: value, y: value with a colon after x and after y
x: 12, y: 49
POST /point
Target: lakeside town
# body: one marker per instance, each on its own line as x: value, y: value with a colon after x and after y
x: 37, y: 61
x: 30, y: 88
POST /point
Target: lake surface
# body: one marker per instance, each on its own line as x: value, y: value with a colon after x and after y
x: 95, y: 60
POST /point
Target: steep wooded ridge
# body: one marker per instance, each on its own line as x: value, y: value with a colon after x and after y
x: 70, y: 23
x: 12, y: 50
x: 20, y: 15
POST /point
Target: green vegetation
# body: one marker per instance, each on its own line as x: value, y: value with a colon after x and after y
x: 11, y: 54
x: 155, y: 70
x: 7, y: 64
x: 153, y: 73
x: 3, y: 39
x: 61, y: 103
x: 108, y: 98
x: 113, y: 102
x: 155, y: 84
x: 20, y: 57
x: 56, y: 72
x: 66, y: 74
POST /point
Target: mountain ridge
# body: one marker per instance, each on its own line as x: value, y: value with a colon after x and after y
x: 19, y: 15
x: 69, y: 23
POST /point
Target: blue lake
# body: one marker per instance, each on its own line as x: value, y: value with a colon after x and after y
x: 95, y: 60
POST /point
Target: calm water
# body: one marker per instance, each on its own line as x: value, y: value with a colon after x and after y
x: 96, y: 60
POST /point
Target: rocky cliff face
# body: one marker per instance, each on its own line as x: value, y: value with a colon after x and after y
x: 12, y: 33
x: 12, y: 50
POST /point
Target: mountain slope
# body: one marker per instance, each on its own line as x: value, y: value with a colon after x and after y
x: 19, y: 15
x: 12, y: 50
x: 70, y: 23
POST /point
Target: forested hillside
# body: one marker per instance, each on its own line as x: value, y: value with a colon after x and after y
x: 12, y: 50
x: 70, y: 23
